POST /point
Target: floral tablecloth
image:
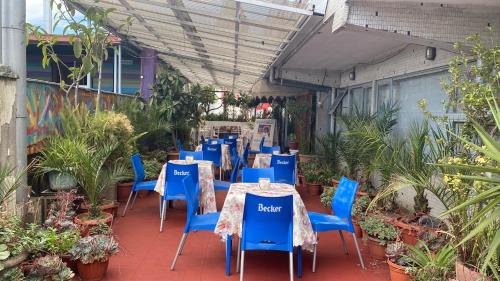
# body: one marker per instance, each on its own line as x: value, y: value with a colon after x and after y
x: 206, y: 181
x: 225, y: 157
x: 232, y: 213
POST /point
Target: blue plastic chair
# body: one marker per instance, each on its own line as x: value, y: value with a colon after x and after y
x: 194, y: 222
x: 244, y: 158
x: 139, y: 183
x: 197, y: 155
x: 230, y: 137
x: 284, y: 168
x: 174, y: 188
x: 253, y: 174
x: 342, y: 203
x: 270, y: 149
x: 202, y: 139
x: 260, y: 147
x: 179, y: 145
x: 224, y: 185
x: 275, y: 215
x: 219, y: 141
x: 212, y: 152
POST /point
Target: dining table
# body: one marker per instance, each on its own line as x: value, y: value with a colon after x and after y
x: 231, y: 216
x: 205, y: 179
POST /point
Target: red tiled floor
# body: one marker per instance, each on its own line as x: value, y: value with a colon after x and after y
x: 146, y: 254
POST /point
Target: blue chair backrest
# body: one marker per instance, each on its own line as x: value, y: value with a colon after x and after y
x: 253, y: 174
x: 343, y: 198
x: 284, y: 168
x: 192, y: 200
x: 245, y: 155
x: 212, y: 152
x: 179, y: 145
x: 234, y: 173
x: 230, y: 136
x: 137, y: 167
x: 175, y: 174
x: 197, y: 155
x: 270, y: 149
x: 272, y: 214
x: 203, y: 139
x: 212, y: 141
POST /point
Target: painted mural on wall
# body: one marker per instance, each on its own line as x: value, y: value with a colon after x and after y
x: 44, y: 101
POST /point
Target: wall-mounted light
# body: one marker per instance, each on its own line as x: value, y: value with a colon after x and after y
x: 430, y: 53
x: 352, y: 74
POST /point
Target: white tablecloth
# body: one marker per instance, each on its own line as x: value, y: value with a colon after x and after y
x: 205, y: 178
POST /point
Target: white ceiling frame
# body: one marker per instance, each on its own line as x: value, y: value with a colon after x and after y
x: 277, y: 7
x: 246, y: 11
x: 209, y: 15
x: 203, y: 26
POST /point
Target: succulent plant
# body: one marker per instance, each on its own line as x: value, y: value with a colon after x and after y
x: 360, y: 206
x: 4, y: 254
x: 377, y: 228
x: 49, y: 268
x: 94, y: 248
x: 397, y: 252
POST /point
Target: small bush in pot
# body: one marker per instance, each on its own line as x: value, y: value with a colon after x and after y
x: 358, y: 212
x: 429, y: 266
x: 379, y: 234
x: 49, y: 267
x: 92, y: 254
x: 398, y: 261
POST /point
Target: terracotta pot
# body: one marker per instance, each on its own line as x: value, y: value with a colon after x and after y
x: 409, y: 232
x: 377, y: 251
x: 86, y: 224
x: 357, y: 229
x: 463, y: 273
x: 172, y: 156
x: 109, y: 207
x: 397, y: 272
x: 92, y: 271
x: 69, y: 263
x: 123, y: 191
x: 314, y: 188
x: 293, y: 145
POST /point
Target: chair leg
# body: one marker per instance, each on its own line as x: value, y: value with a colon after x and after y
x: 238, y: 255
x: 179, y: 250
x: 290, y: 261
x: 343, y: 241
x: 163, y: 211
x: 229, y: 244
x: 357, y: 249
x: 314, y: 252
x: 133, y: 201
x: 128, y: 201
x: 160, y: 201
x: 242, y: 264
x: 299, y: 261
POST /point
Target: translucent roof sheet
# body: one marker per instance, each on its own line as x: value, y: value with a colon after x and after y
x: 226, y: 43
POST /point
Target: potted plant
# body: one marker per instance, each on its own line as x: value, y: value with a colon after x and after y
x: 430, y: 266
x: 59, y: 243
x: 358, y: 213
x: 312, y: 171
x: 292, y: 142
x: 326, y: 197
x: 379, y: 234
x: 92, y: 255
x: 398, y: 261
x: 49, y: 267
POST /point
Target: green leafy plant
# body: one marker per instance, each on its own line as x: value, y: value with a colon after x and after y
x: 94, y: 248
x: 101, y: 229
x: 377, y: 228
x: 316, y: 172
x: 152, y: 168
x: 360, y: 206
x: 397, y: 252
x: 59, y: 243
x: 429, y: 266
x: 18, y: 237
x: 326, y: 196
x: 49, y: 268
x: 10, y: 180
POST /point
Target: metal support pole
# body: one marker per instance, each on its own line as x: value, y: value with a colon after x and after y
x: 47, y: 16
x: 120, y: 69
x: 115, y: 72
x: 14, y: 55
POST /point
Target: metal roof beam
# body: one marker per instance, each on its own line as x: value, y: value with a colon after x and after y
x: 277, y: 7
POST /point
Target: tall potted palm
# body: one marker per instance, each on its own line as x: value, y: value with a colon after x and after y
x: 88, y: 164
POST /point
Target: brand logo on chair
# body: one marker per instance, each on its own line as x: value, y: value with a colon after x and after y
x: 269, y: 209
x: 211, y: 149
x: 282, y: 162
x: 181, y: 173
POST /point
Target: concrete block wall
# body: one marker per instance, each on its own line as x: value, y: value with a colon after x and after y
x: 434, y: 21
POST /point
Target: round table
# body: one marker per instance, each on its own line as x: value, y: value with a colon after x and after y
x: 231, y: 216
x: 205, y: 178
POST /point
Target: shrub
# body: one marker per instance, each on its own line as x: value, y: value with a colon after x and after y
x: 95, y: 248
x: 377, y: 228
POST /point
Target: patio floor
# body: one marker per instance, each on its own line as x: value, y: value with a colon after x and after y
x: 146, y: 254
